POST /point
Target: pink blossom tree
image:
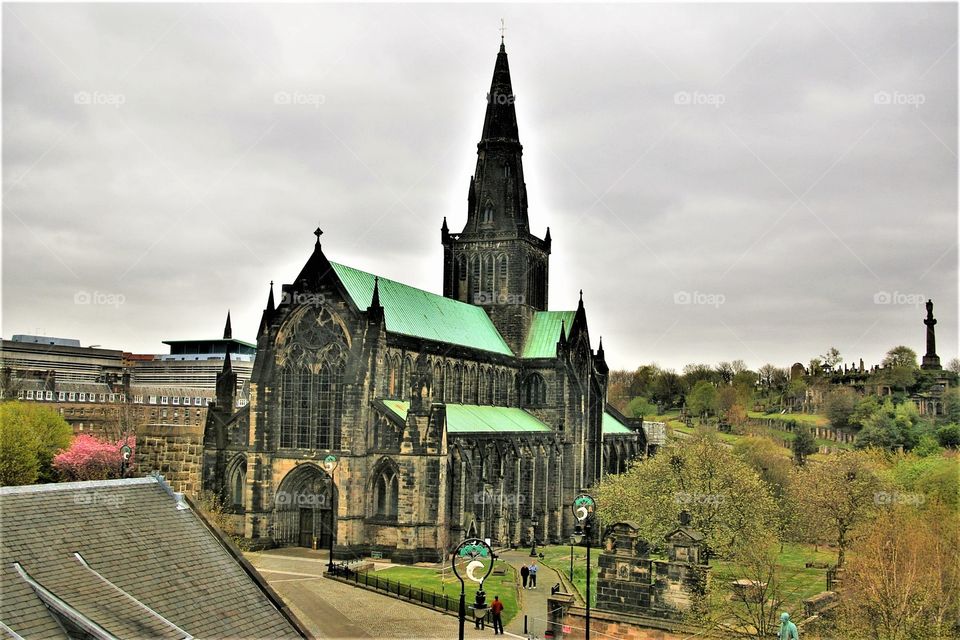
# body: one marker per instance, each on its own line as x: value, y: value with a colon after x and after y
x: 89, y: 458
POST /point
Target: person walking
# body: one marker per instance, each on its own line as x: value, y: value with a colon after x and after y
x: 524, y: 575
x: 496, y: 608
x: 533, y: 575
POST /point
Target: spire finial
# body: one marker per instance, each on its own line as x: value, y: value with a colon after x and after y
x: 227, y: 330
x: 503, y: 30
x: 581, y: 295
x: 318, y: 233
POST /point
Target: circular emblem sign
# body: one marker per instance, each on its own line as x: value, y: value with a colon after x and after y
x: 583, y: 506
x: 125, y: 452
x: 473, y: 559
x: 330, y: 463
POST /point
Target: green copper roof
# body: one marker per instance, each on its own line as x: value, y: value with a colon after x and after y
x: 421, y: 314
x: 545, y: 332
x: 612, y: 426
x: 472, y: 418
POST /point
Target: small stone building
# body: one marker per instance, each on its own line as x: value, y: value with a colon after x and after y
x: 631, y: 582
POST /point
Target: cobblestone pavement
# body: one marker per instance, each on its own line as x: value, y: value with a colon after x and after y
x: 331, y: 609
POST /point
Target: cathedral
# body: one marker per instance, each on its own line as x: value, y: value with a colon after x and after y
x: 385, y: 419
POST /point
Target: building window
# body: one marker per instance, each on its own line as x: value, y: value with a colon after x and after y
x: 151, y: 399
x: 311, y: 404
x: 487, y: 217
x: 73, y: 396
x: 186, y: 401
x: 176, y: 399
x: 49, y: 395
x: 386, y: 493
x: 61, y: 396
x: 123, y: 397
x: 197, y: 402
x: 237, y: 480
x: 30, y: 394
x: 113, y: 397
x: 163, y: 399
x: 535, y: 390
x: 103, y: 397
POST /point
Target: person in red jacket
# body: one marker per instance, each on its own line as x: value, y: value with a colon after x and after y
x: 496, y: 608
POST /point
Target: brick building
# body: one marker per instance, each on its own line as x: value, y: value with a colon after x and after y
x: 476, y: 412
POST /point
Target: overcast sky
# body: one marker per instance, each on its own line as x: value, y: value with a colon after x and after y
x: 741, y: 181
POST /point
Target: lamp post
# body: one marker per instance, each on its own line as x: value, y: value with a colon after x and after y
x: 571, y: 559
x: 474, y: 555
x: 330, y: 464
x: 533, y: 545
x: 125, y: 453
x: 584, y: 507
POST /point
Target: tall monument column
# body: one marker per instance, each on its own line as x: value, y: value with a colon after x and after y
x: 931, y: 360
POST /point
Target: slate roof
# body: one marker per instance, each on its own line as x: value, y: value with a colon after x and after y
x: 479, y: 419
x: 129, y: 558
x: 545, y: 332
x: 421, y: 314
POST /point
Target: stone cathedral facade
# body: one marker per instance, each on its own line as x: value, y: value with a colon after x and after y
x: 477, y: 412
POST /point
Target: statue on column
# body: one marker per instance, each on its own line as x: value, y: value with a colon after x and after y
x: 931, y: 360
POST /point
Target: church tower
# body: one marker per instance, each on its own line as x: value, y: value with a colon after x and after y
x: 495, y: 262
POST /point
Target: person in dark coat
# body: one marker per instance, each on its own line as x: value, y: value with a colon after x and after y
x: 524, y: 575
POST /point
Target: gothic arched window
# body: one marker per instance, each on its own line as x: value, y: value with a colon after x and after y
x: 491, y: 378
x: 447, y: 383
x: 488, y: 279
x: 535, y: 390
x: 386, y: 493
x: 501, y: 277
x: 438, y: 381
x: 457, y: 396
x: 236, y: 480
x: 487, y: 217
x: 474, y: 279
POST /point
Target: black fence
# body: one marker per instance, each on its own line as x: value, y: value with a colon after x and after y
x: 397, y: 589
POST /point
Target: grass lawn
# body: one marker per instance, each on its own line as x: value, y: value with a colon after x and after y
x: 799, y: 582
x: 504, y: 586
x: 809, y: 419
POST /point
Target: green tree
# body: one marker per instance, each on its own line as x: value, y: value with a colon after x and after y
x: 34, y: 428
x: 949, y: 436
x: 832, y: 357
x: 841, y: 492
x: 640, y: 407
x: 838, y: 406
x: 803, y: 445
x: 667, y: 389
x: 726, y: 499
x: 901, y: 356
x: 890, y: 426
x: 951, y: 405
x: 702, y: 399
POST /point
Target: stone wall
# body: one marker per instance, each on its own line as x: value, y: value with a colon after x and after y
x: 176, y: 452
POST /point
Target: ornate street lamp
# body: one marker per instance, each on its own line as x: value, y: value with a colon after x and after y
x: 584, y: 507
x: 473, y: 556
x: 330, y: 464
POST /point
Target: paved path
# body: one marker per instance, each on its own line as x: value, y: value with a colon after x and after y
x: 332, y: 609
x: 533, y: 602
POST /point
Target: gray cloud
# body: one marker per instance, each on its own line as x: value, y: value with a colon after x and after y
x: 742, y: 151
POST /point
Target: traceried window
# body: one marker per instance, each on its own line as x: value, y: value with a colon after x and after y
x: 311, y: 360
x: 535, y: 390
x: 487, y: 217
x: 387, y: 493
x: 237, y: 477
x: 502, y: 288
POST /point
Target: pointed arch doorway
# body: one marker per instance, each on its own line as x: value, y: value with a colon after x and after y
x: 305, y: 508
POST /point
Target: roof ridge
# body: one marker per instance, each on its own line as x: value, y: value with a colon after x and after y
x: 409, y: 286
x: 81, y: 484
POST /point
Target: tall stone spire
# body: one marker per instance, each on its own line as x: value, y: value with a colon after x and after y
x: 931, y: 360
x: 227, y: 330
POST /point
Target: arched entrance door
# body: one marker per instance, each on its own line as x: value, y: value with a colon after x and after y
x: 305, y: 508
